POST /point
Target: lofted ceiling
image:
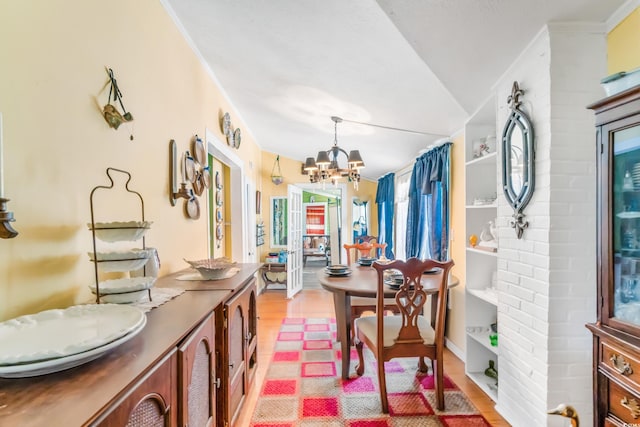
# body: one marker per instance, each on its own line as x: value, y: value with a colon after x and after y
x: 287, y: 66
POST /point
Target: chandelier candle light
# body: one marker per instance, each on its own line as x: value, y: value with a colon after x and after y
x: 326, y: 168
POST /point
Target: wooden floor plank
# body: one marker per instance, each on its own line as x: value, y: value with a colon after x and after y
x: 273, y: 307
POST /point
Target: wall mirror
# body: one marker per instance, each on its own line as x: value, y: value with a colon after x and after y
x: 518, y: 174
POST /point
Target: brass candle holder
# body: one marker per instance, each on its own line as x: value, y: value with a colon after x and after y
x: 6, y: 218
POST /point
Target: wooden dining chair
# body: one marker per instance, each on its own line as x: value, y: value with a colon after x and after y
x: 362, y: 249
x: 409, y: 334
x: 362, y: 305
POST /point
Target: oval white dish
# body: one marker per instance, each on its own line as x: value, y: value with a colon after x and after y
x: 49, y: 366
x: 58, y: 333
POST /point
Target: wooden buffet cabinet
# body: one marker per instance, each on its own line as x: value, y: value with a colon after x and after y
x: 616, y: 333
x: 192, y: 365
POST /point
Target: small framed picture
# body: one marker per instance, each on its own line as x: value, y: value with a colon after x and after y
x: 258, y: 201
x: 279, y: 222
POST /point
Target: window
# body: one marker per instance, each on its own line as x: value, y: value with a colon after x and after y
x: 402, y: 208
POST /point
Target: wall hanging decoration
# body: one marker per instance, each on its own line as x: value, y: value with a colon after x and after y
x: 225, y: 124
x: 195, y: 176
x: 110, y: 112
x: 518, y: 160
x: 6, y: 217
x: 276, y: 173
x: 236, y: 138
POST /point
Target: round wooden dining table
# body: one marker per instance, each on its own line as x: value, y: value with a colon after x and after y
x: 363, y: 282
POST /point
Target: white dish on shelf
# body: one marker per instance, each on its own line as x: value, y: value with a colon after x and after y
x: 124, y: 298
x: 118, y: 231
x: 49, y: 366
x: 628, y: 215
x: 119, y: 286
x: 122, y: 260
x: 59, y: 333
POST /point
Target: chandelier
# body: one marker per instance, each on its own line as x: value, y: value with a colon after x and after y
x: 326, y: 168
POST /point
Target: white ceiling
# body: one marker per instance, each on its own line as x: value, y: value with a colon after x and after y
x: 287, y: 66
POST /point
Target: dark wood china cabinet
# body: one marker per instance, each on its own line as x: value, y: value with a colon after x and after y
x: 616, y: 333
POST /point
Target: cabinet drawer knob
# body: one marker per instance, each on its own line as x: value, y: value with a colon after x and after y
x: 621, y: 365
x: 632, y: 406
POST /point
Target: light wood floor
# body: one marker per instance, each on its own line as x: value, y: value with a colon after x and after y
x: 273, y: 307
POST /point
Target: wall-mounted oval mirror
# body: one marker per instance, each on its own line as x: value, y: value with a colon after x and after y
x: 518, y: 177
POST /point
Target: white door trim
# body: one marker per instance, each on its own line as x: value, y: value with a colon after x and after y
x: 236, y: 189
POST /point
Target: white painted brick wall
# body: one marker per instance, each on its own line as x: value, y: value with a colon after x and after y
x: 547, y: 280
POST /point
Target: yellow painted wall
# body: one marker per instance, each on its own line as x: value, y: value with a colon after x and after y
x: 292, y: 173
x: 57, y: 145
x: 623, y: 44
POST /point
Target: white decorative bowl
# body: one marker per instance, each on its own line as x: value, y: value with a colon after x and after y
x: 212, y: 268
x: 121, y: 261
x: 118, y: 231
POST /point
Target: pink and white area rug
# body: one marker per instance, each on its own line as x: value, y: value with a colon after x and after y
x: 303, y: 387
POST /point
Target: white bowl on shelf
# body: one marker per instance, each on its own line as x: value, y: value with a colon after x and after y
x: 125, y: 298
x: 118, y: 231
x: 121, y: 261
x: 128, y: 284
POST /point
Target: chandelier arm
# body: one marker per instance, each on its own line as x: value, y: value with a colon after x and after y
x: 392, y: 128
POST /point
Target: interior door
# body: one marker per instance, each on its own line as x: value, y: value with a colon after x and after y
x: 294, y: 240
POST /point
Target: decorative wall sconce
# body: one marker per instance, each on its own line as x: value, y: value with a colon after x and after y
x: 195, y: 176
x: 109, y: 111
x: 6, y: 217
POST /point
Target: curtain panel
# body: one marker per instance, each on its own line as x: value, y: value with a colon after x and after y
x: 428, y: 215
x: 385, y: 200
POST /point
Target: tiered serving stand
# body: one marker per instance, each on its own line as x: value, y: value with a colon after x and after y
x: 122, y: 290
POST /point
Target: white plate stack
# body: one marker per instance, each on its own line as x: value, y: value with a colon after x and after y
x: 59, y: 339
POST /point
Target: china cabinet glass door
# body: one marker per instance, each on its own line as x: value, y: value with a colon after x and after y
x: 624, y: 297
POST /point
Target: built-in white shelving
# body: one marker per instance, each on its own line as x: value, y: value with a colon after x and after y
x: 481, y: 172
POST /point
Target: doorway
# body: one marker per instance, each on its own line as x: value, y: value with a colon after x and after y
x: 239, y: 232
x: 328, y: 204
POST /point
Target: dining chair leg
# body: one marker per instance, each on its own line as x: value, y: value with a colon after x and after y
x: 439, y: 383
x: 422, y: 366
x: 360, y: 367
x: 382, y: 381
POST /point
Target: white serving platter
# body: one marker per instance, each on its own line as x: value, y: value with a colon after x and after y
x: 127, y: 284
x: 122, y: 261
x: 49, y: 366
x: 118, y: 231
x: 60, y: 333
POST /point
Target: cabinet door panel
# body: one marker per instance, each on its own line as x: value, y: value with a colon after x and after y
x: 151, y: 402
x: 196, y: 367
x: 623, y: 142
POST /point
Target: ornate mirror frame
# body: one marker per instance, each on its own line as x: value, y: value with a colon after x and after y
x: 518, y: 160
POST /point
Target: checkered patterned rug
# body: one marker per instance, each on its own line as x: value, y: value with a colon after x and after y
x: 303, y: 387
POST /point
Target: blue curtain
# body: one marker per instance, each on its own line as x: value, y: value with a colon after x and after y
x: 428, y: 215
x: 385, y: 200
